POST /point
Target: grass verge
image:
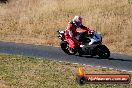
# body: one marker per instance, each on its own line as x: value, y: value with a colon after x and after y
x: 31, y: 72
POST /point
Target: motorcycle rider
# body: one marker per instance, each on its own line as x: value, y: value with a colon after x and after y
x: 71, y: 33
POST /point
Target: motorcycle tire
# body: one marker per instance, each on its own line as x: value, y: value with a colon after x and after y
x: 65, y: 47
x: 103, y: 52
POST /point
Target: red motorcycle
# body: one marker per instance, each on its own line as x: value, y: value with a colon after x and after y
x: 97, y: 48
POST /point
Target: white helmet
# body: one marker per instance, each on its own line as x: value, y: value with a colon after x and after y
x: 77, y: 20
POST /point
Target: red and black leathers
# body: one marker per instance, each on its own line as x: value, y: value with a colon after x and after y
x: 71, y: 32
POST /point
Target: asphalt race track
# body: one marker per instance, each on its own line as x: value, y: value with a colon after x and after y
x: 118, y: 61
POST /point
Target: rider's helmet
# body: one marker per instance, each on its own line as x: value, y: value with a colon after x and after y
x: 77, y: 20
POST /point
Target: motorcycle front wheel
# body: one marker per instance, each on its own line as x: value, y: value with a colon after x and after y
x: 103, y: 52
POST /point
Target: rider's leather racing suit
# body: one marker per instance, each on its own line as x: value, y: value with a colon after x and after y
x: 71, y: 32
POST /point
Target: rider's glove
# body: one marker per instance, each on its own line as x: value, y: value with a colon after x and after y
x: 91, y: 33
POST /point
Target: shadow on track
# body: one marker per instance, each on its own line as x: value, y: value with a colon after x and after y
x: 111, y: 58
x: 118, y: 59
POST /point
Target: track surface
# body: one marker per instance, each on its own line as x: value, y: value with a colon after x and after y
x: 118, y: 61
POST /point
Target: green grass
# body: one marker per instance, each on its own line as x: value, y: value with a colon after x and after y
x: 31, y: 72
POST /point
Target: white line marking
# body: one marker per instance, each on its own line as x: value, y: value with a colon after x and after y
x: 75, y: 63
x: 129, y: 71
x: 96, y: 66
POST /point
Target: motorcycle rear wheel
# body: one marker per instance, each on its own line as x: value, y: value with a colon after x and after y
x: 65, y: 47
